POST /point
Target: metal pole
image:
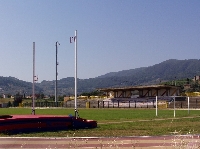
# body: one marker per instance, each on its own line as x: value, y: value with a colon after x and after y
x: 156, y: 105
x: 75, y: 73
x: 174, y: 107
x: 33, y: 96
x: 56, y: 88
x: 188, y: 105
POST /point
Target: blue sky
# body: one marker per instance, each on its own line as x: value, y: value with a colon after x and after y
x: 113, y: 35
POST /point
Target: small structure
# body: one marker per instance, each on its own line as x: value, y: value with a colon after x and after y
x: 196, y: 78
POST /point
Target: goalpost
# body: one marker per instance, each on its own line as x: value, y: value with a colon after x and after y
x: 174, y: 100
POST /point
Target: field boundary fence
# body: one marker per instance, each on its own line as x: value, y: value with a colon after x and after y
x: 194, y: 103
x: 180, y: 103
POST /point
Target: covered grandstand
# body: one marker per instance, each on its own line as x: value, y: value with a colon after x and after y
x: 141, y: 91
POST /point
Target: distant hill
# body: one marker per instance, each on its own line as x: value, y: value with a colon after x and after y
x: 165, y: 71
x: 12, y: 86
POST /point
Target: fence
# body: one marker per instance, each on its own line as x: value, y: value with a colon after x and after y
x: 109, y: 104
x: 194, y: 102
x: 43, y: 104
x: 94, y: 104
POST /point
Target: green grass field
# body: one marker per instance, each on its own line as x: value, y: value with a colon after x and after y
x: 120, y: 122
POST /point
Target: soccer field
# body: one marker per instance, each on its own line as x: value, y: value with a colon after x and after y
x: 120, y: 122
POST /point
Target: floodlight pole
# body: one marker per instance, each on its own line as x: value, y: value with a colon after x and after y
x: 33, y: 96
x: 75, y: 100
x: 56, y: 88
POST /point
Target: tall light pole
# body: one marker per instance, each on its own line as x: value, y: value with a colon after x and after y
x: 33, y: 96
x: 76, y: 112
x: 56, y: 87
x: 74, y: 39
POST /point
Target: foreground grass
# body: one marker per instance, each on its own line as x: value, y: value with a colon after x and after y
x: 120, y: 122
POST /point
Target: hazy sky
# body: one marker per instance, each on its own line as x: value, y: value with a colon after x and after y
x: 113, y: 35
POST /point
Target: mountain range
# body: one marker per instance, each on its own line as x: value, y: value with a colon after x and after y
x: 168, y: 70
